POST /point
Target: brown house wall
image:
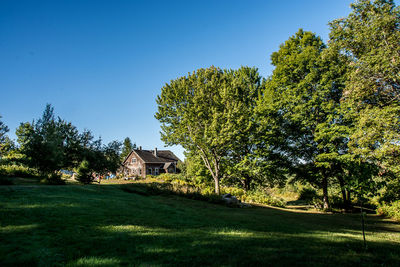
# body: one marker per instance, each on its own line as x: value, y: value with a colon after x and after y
x: 129, y: 167
x: 153, y: 166
x: 132, y: 166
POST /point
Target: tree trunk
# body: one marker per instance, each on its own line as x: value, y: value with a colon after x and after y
x: 348, y: 196
x: 214, y: 172
x: 326, y: 205
x: 363, y: 225
x: 246, y: 183
x: 342, y: 189
x: 216, y: 181
x: 345, y: 194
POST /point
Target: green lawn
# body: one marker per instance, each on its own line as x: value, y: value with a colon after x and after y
x: 102, y: 225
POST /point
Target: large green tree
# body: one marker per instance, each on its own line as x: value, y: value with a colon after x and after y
x: 241, y: 163
x: 300, y: 110
x: 206, y: 112
x: 52, y: 144
x: 42, y: 142
x: 3, y: 131
x: 6, y: 144
x: 370, y: 39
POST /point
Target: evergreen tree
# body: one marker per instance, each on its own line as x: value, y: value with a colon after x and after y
x: 6, y: 144
x: 3, y: 131
x: 127, y: 147
x: 84, y: 173
x: 42, y: 142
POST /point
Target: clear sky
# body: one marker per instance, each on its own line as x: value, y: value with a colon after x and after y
x: 101, y: 64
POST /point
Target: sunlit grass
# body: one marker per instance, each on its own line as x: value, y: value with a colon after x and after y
x: 17, y: 228
x: 136, y: 229
x: 102, y: 225
x: 95, y: 261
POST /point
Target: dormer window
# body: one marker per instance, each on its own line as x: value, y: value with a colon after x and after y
x: 133, y: 160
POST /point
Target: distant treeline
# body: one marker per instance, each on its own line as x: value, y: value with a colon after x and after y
x: 50, y: 144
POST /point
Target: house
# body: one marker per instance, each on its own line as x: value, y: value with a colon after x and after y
x: 144, y: 162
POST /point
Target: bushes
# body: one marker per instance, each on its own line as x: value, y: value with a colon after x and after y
x: 234, y: 191
x: 390, y: 210
x: 262, y: 197
x: 11, y: 171
x: 156, y: 188
x: 170, y: 177
x: 17, y: 171
x: 307, y: 194
x: 53, y: 179
x: 176, y: 184
x: 84, y: 174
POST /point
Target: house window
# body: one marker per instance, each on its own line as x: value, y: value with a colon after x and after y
x: 149, y: 171
x: 156, y: 171
x: 133, y: 160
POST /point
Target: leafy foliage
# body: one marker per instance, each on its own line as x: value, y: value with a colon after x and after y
x: 206, y: 112
x: 390, y: 209
x: 329, y: 115
x: 301, y: 102
x: 370, y: 39
x: 51, y: 144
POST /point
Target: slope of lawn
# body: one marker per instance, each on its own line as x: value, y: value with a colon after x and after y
x: 102, y: 225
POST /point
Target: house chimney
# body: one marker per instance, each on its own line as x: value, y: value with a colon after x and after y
x: 140, y: 147
x: 155, y: 152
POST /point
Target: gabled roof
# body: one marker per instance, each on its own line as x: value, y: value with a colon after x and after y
x: 163, y: 156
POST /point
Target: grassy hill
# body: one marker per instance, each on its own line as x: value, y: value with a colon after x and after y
x: 103, y: 225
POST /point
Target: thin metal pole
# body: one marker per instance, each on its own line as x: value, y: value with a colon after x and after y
x: 363, y: 227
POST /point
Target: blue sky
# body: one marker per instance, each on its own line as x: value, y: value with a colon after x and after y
x: 101, y: 64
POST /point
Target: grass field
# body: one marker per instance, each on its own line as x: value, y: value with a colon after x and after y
x: 102, y: 225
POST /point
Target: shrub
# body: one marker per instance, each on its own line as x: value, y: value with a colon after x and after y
x: 390, y: 209
x: 17, y: 171
x: 234, y: 191
x: 307, y: 194
x: 54, y: 179
x: 84, y: 174
x: 392, y: 192
x: 169, y: 177
x: 207, y: 190
x: 261, y: 197
x: 156, y: 188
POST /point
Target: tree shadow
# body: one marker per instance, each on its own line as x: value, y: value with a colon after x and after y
x: 103, y: 225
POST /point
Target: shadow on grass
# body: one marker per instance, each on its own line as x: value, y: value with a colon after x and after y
x: 105, y: 226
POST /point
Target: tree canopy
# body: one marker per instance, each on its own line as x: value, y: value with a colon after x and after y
x: 328, y: 115
x: 5, y: 142
x: 301, y: 105
x: 206, y: 112
x: 52, y: 144
x: 370, y: 39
